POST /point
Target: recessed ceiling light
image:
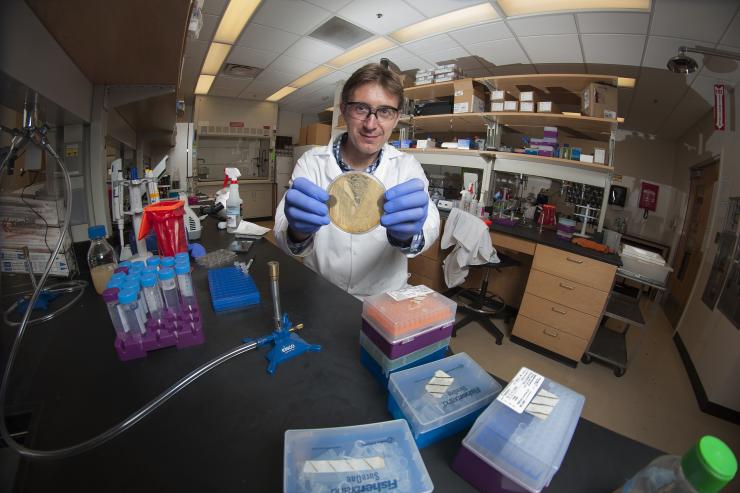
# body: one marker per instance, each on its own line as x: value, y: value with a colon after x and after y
x: 523, y: 7
x: 311, y: 76
x: 620, y: 119
x: 235, y: 17
x: 281, y: 93
x: 363, y: 51
x: 215, y: 58
x: 204, y: 83
x: 447, y: 22
x: 625, y: 82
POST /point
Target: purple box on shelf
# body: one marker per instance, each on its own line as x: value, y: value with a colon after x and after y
x: 544, y: 152
x: 551, y: 132
x: 402, y: 347
x: 182, y: 330
x: 505, y: 221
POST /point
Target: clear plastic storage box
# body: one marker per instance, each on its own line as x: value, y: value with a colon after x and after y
x: 387, y: 365
x: 434, y: 412
x: 401, y: 319
x: 524, y: 448
x: 649, y: 265
x: 373, y: 457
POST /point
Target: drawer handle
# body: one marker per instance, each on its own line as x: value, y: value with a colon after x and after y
x: 569, y: 288
x: 574, y: 260
x: 548, y: 333
x: 562, y: 312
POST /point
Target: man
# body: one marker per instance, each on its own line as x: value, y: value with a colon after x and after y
x: 375, y: 262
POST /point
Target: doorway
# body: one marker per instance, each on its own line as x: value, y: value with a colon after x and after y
x: 689, y: 254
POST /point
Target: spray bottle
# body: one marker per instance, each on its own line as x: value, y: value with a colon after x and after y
x: 233, y: 202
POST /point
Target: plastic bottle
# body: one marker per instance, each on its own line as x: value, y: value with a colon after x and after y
x: 182, y: 257
x: 101, y: 258
x: 233, y: 202
x: 110, y: 297
x: 128, y: 308
x: 473, y: 209
x: 706, y: 468
x: 185, y: 283
x: 153, y: 261
x: 169, y: 289
x: 152, y: 295
x: 167, y: 262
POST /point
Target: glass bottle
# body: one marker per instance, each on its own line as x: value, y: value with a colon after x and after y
x: 101, y: 258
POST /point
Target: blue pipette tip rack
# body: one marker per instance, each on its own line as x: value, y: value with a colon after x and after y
x: 287, y: 345
x: 231, y: 289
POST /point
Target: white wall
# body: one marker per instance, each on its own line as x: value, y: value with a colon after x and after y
x: 712, y: 341
x: 30, y: 55
x: 179, y: 156
x: 289, y: 124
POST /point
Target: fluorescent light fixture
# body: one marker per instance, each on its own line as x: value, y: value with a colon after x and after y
x: 204, y: 83
x: 620, y: 119
x: 447, y: 22
x: 330, y: 108
x: 363, y: 51
x: 571, y: 113
x: 281, y: 93
x: 235, y: 17
x: 524, y: 7
x: 625, y: 82
x: 311, y: 76
x: 217, y: 53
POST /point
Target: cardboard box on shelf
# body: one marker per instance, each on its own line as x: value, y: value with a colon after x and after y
x: 526, y: 106
x: 587, y: 158
x: 599, y: 155
x: 470, y: 97
x: 497, y: 106
x: 445, y: 77
x: 547, y: 107
x: 532, y: 96
x: 599, y: 100
x: 511, y: 105
x: 315, y: 134
x: 499, y: 95
x: 30, y: 211
x: 13, y: 261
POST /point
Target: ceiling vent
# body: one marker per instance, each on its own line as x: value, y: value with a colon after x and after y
x: 240, y: 71
x: 340, y: 33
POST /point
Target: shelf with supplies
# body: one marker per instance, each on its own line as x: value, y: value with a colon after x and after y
x: 552, y: 84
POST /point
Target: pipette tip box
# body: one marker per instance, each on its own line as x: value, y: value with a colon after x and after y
x: 371, y: 457
x: 506, y: 451
x: 400, y: 346
x: 376, y: 371
x: 441, y: 398
x: 387, y: 365
x: 231, y: 289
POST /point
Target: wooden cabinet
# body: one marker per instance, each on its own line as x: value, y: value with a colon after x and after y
x: 256, y: 199
x: 563, y: 301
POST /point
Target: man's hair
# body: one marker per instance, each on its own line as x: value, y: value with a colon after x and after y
x: 373, y: 73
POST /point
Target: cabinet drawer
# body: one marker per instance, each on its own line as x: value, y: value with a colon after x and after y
x: 574, y: 267
x: 550, y: 338
x: 507, y: 242
x: 565, y: 292
x: 558, y: 316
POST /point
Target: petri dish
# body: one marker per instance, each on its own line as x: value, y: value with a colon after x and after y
x: 356, y: 202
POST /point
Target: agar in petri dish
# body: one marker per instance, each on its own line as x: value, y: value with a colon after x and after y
x: 356, y: 202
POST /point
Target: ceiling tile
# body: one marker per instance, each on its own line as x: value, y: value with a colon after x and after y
x: 295, y: 16
x: 313, y: 50
x: 428, y: 45
x: 196, y: 49
x: 704, y: 21
x: 396, y: 15
x: 248, y: 56
x: 414, y: 63
x: 553, y: 49
x: 228, y: 86
x: 290, y: 65
x: 619, y: 70
x: 447, y: 56
x: 660, y: 50
x: 616, y: 49
x: 486, y: 32
x: 657, y: 93
x: 215, y: 7
x: 191, y: 65
x: 258, y: 90
x: 613, y: 23
x: 543, y: 24
x: 732, y: 36
x: 331, y: 5
x: 266, y: 38
x: 724, y: 69
x: 394, y: 54
x: 328, y: 81
x: 561, y: 68
x: 210, y: 23
x: 500, y: 52
x: 275, y: 77
x: 432, y: 8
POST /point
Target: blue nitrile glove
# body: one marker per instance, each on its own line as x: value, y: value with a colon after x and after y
x: 405, y: 209
x: 305, y: 206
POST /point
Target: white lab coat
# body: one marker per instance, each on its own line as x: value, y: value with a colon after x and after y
x: 469, y: 235
x: 361, y: 264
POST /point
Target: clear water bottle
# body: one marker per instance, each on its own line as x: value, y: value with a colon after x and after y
x: 706, y: 468
x: 101, y: 258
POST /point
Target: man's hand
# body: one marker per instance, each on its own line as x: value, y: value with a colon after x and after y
x: 405, y: 209
x: 305, y: 209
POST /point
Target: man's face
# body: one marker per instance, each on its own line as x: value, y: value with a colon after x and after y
x: 368, y: 135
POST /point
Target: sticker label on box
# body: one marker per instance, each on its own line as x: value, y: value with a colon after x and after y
x: 521, y: 390
x: 460, y: 108
x: 459, y: 93
x: 410, y: 292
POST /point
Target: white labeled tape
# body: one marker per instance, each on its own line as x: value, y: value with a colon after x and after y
x: 344, y: 465
x: 439, y: 383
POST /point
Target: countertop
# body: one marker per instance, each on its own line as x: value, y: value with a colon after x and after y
x: 225, y: 432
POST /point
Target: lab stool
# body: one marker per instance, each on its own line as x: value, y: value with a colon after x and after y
x: 483, y: 307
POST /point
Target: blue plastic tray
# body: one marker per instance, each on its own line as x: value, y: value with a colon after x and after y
x: 231, y: 289
x: 375, y: 370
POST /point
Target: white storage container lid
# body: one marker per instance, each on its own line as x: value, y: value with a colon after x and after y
x: 645, y: 255
x: 380, y: 456
x: 399, y: 316
x: 471, y: 389
x: 525, y: 448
